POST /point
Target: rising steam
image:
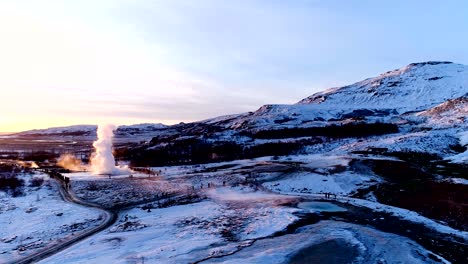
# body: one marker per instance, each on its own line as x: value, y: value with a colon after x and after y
x: 102, y: 161
x: 70, y: 162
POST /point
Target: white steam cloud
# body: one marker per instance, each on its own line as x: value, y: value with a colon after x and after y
x: 103, y: 161
x: 70, y: 162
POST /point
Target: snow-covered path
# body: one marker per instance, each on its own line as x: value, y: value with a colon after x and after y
x: 109, y: 219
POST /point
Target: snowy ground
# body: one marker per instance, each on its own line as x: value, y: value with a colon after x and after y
x: 184, y: 233
x: 239, y: 210
x: 408, y: 215
x: 401, y: 213
x: 462, y: 157
x: 459, y: 181
x: 123, y: 190
x: 343, y: 183
x: 333, y: 242
x: 39, y: 219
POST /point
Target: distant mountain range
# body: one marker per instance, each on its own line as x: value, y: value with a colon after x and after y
x: 90, y: 130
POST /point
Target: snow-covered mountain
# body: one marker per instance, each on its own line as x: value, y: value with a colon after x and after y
x: 63, y: 131
x: 411, y: 88
x: 427, y: 101
x: 139, y: 128
x: 416, y: 87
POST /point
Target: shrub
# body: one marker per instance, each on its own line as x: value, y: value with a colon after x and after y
x: 12, y: 184
x: 92, y: 186
x: 36, y: 182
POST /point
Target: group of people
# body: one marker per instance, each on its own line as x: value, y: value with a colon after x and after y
x: 58, y: 175
x: 150, y: 172
x: 209, y: 185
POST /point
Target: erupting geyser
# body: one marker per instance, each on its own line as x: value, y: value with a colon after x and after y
x: 102, y: 161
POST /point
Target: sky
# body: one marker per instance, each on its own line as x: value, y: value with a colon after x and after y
x: 135, y: 61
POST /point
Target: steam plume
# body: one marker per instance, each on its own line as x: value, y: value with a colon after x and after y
x: 103, y: 161
x: 69, y: 161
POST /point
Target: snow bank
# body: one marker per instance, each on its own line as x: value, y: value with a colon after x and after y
x: 462, y: 157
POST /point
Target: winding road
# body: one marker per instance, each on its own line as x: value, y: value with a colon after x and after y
x: 110, y: 217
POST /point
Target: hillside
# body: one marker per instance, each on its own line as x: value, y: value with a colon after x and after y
x: 416, y: 87
x: 421, y: 107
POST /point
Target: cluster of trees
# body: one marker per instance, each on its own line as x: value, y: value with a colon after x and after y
x: 196, y: 151
x: 332, y: 131
x: 40, y: 156
x: 11, y: 184
x: 37, y: 156
x: 176, y: 150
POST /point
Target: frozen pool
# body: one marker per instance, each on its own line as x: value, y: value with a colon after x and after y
x: 320, y: 207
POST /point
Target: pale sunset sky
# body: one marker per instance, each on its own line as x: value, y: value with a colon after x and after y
x: 133, y: 61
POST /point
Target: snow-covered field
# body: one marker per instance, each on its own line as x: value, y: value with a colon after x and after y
x: 244, y: 216
x: 158, y: 236
x: 343, y: 183
x: 39, y: 219
x: 240, y: 207
x: 184, y: 233
x: 122, y: 190
x: 334, y: 242
x: 437, y: 142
